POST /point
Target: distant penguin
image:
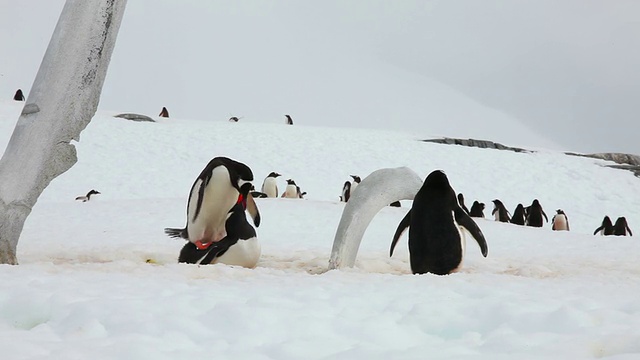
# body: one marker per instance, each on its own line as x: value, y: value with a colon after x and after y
x: 518, y: 215
x: 164, y: 112
x: 395, y: 204
x: 291, y: 191
x: 300, y: 193
x: 461, y: 203
x: 19, y: 96
x: 88, y: 196
x: 560, y: 221
x: 346, y: 191
x: 535, y: 214
x: 477, y: 209
x: 621, y: 228
x: 270, y: 185
x: 234, y: 119
x: 436, y: 240
x: 500, y: 212
x: 606, y: 228
x: 239, y: 247
x: 289, y: 120
x: 214, y: 192
x: 355, y: 183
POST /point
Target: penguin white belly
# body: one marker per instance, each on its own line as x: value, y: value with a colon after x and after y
x: 270, y: 187
x: 560, y: 223
x: 291, y: 192
x: 463, y: 245
x: 496, y: 215
x: 245, y: 253
x: 219, y: 197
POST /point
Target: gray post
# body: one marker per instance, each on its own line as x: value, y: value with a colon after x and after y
x: 63, y: 99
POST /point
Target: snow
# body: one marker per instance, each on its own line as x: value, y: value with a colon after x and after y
x: 100, y: 279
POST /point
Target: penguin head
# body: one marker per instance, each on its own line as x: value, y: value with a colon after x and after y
x: 437, y: 179
x: 535, y: 202
x: 607, y: 220
x: 274, y: 174
x: 93, y: 192
x: 290, y: 182
x: 461, y: 198
x: 559, y: 211
x: 356, y: 178
x: 496, y: 202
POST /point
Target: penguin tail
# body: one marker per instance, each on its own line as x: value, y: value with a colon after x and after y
x: 176, y: 233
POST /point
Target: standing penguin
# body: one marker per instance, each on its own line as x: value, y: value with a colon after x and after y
x: 461, y: 202
x: 270, y: 185
x: 291, y: 191
x: 239, y: 247
x: 560, y: 221
x: 164, y: 112
x: 535, y: 214
x: 289, y: 120
x: 606, y: 228
x: 355, y: 183
x: 19, y: 96
x: 477, y: 209
x: 214, y: 192
x: 346, y: 191
x: 500, y: 212
x: 436, y: 241
x: 621, y: 228
x: 518, y: 215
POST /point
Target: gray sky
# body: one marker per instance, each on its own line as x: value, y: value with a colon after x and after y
x: 558, y: 74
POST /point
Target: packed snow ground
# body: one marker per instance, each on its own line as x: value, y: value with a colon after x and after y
x: 100, y: 279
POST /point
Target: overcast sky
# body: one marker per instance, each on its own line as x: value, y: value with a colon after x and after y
x: 502, y: 70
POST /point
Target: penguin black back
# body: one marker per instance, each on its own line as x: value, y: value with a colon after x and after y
x: 435, y: 241
x: 621, y: 228
x: 518, y: 215
x: 535, y: 214
x: 461, y: 203
x: 477, y: 209
x: 606, y: 228
x: 19, y: 96
x: 164, y: 112
x: 500, y: 211
x: 289, y: 120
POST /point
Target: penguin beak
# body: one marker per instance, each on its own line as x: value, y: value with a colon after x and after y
x: 252, y: 208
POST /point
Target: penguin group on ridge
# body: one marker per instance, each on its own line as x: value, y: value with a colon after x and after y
x: 620, y: 228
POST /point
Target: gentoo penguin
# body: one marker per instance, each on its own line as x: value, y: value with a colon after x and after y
x: 436, y: 241
x: 291, y: 191
x: 300, y: 193
x: 346, y: 191
x: 535, y: 214
x: 500, y: 212
x: 164, y: 112
x: 606, y: 228
x: 289, y: 120
x: 355, y: 183
x: 518, y: 215
x: 214, y: 192
x: 621, y: 228
x: 461, y: 203
x: 234, y: 119
x: 560, y: 221
x: 477, y: 209
x: 19, y: 96
x: 270, y: 185
x: 239, y: 247
x: 88, y: 196
x: 395, y: 204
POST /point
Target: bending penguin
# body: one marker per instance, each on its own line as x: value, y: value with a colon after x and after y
x: 291, y: 191
x: 560, y: 221
x: 477, y: 209
x: 518, y: 217
x: 214, y: 192
x: 535, y: 214
x: 270, y: 185
x: 349, y: 187
x: 436, y: 241
x: 88, y: 196
x: 621, y: 228
x: 606, y: 228
x: 500, y: 212
x: 240, y: 247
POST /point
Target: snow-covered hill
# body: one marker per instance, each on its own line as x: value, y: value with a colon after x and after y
x: 84, y: 287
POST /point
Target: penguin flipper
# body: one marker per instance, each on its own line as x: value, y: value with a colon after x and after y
x: 629, y: 230
x: 252, y: 208
x: 218, y: 249
x: 402, y: 226
x: 177, y: 233
x: 467, y: 222
x: 598, y: 229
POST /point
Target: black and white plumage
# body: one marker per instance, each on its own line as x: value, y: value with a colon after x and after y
x: 436, y: 240
x: 477, y: 209
x: 88, y: 196
x: 346, y: 191
x: 606, y: 228
x: 239, y: 247
x: 500, y: 212
x: 518, y: 217
x: 461, y: 203
x: 214, y: 192
x: 289, y: 120
x: 534, y: 214
x: 291, y: 191
x: 621, y: 228
x: 560, y: 221
x: 270, y: 185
